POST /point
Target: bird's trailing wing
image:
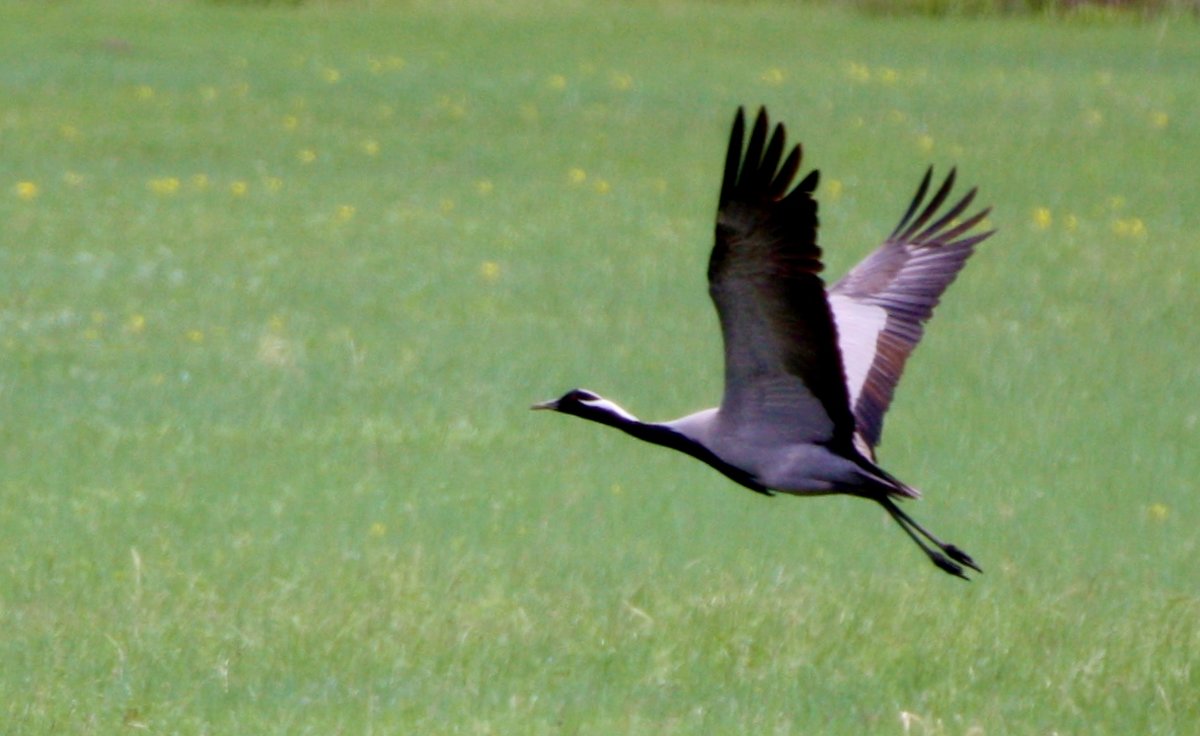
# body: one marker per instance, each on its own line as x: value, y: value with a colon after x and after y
x: 783, y: 371
x: 882, y: 304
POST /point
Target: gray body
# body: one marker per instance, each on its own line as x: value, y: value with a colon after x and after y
x: 775, y: 461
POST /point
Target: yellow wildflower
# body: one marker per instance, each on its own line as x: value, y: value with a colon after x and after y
x: 27, y: 190
x: 165, y: 186
x: 1132, y: 227
x: 455, y: 108
x: 345, y: 213
x: 773, y: 76
x: 307, y: 155
x: 576, y: 175
x: 557, y: 82
x: 489, y: 270
x: 1042, y: 219
x: 238, y: 188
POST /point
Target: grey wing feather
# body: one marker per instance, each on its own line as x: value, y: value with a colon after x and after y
x: 905, y: 277
x: 783, y: 372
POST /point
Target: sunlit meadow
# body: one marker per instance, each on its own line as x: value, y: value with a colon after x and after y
x: 277, y: 286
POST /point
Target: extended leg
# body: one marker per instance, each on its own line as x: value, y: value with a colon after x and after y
x: 947, y: 557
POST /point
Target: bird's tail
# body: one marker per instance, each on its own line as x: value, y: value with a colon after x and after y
x: 887, y: 484
x: 898, y: 489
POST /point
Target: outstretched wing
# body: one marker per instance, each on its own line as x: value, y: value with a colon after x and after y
x: 882, y: 304
x: 783, y: 368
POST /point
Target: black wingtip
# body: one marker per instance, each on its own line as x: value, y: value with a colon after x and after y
x: 934, y: 203
x: 753, y: 158
x: 733, y: 156
x: 761, y: 118
x: 786, y: 173
x: 809, y: 183
x: 759, y: 164
x: 916, y: 202
x: 922, y: 225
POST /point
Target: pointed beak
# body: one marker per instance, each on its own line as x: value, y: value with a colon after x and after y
x: 545, y: 405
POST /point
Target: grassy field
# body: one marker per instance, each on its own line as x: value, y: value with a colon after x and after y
x: 277, y: 286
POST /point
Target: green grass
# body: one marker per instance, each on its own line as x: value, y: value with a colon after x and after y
x: 277, y: 286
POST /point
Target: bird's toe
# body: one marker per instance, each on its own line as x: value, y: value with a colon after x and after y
x: 948, y: 565
x: 959, y: 556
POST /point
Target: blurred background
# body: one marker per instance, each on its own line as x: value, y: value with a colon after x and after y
x: 278, y: 282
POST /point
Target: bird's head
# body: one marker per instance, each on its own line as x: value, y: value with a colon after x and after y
x: 588, y: 405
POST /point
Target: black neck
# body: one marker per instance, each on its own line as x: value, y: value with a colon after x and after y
x: 661, y: 434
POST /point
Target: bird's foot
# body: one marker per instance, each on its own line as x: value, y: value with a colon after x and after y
x: 959, y: 556
x: 947, y: 565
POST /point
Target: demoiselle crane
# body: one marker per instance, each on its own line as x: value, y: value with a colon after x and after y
x: 809, y: 372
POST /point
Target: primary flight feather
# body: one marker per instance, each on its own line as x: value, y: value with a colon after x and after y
x: 809, y: 372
